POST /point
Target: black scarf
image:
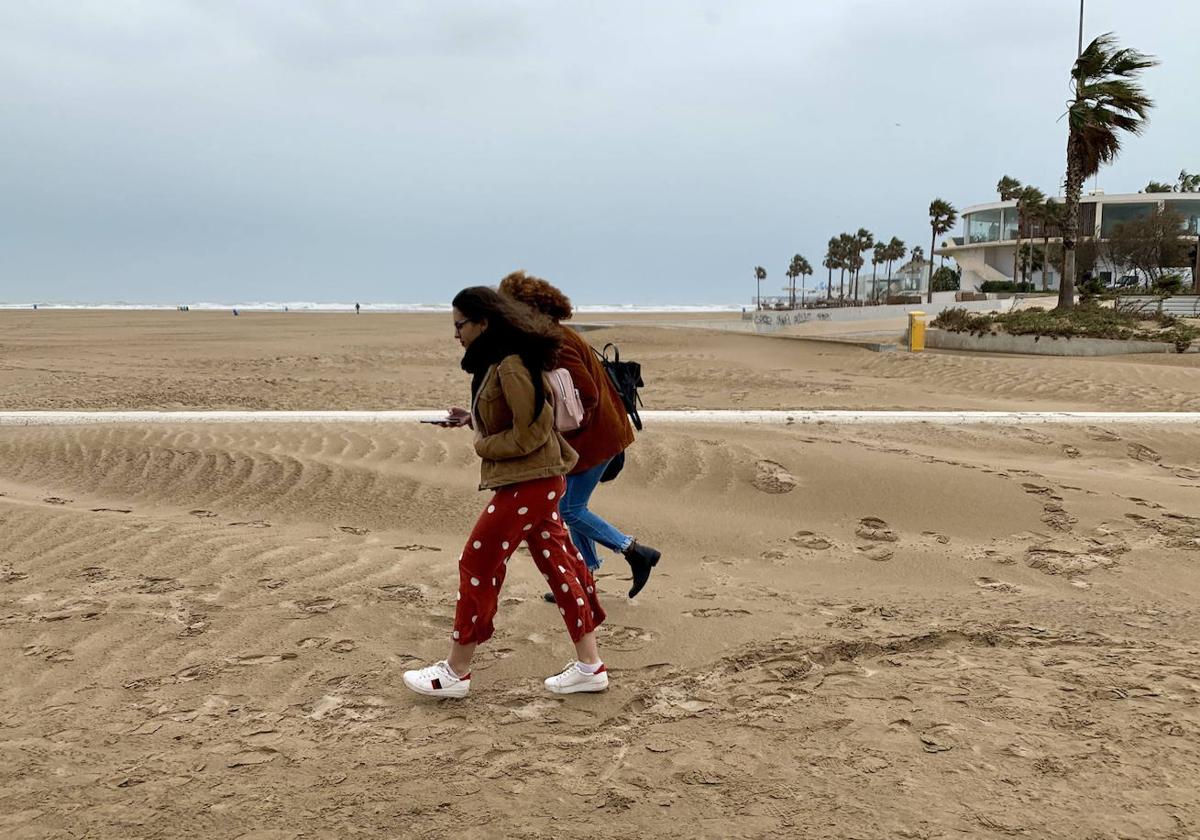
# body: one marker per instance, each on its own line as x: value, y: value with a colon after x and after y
x: 488, y: 349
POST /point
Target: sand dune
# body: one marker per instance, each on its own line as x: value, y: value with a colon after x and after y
x: 857, y: 631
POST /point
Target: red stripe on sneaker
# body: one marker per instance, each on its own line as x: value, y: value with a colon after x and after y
x: 600, y: 670
x: 463, y: 679
x: 437, y: 684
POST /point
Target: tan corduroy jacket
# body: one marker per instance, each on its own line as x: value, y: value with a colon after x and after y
x: 512, y: 448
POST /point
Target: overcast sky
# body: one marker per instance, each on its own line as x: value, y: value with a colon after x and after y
x: 638, y: 152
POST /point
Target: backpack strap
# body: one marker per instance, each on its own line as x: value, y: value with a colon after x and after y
x: 616, y: 352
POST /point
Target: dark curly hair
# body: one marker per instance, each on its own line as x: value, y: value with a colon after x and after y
x: 537, y: 293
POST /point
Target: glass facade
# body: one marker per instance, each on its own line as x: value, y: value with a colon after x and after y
x: 983, y: 226
x: 1190, y: 210
x: 1113, y: 214
x: 1008, y: 229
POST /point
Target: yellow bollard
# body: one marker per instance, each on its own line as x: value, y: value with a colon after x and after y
x: 916, y: 332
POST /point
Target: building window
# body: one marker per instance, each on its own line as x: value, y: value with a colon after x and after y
x: 1190, y: 210
x: 983, y: 226
x: 1114, y: 214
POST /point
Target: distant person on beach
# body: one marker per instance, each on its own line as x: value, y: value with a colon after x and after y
x: 603, y: 435
x: 508, y: 350
x: 235, y: 312
x: 356, y: 308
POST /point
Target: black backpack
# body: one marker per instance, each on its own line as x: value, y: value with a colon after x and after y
x: 626, y: 378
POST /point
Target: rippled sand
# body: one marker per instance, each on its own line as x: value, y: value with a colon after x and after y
x: 855, y: 631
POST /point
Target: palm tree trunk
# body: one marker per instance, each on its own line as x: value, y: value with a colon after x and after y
x: 829, y: 285
x: 929, y: 286
x: 1066, y: 289
x: 874, y: 282
x: 801, y: 291
x: 1045, y: 258
x: 842, y: 286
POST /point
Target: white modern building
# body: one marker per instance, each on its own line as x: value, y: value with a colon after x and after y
x: 988, y: 247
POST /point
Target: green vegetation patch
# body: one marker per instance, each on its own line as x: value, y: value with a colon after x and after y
x: 1087, y: 320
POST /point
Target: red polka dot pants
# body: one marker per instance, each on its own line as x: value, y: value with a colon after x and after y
x: 527, y: 511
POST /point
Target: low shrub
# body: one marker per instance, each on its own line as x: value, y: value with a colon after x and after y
x: 1087, y: 320
x: 1004, y: 286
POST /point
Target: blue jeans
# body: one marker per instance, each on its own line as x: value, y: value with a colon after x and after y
x: 587, y: 528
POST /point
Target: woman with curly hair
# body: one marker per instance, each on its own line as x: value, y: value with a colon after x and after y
x: 604, y: 433
x: 508, y: 350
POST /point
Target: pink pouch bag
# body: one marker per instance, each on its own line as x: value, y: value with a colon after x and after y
x: 568, y: 408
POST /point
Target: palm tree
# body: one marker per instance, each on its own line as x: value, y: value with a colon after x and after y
x: 831, y: 262
x: 864, y: 240
x: 896, y: 249
x: 805, y: 271
x: 1107, y: 101
x: 1187, y: 183
x: 878, y: 257
x: 1158, y: 187
x: 1049, y: 214
x: 1028, y: 201
x: 794, y: 271
x: 1008, y: 188
x: 942, y: 218
x: 760, y: 274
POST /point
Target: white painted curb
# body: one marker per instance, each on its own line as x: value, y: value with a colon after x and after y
x: 699, y: 416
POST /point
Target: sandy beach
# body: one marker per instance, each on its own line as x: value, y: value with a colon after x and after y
x: 909, y: 632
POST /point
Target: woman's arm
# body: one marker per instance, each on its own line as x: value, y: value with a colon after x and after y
x: 524, y: 437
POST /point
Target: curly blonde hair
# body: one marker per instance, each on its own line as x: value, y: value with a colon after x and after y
x: 536, y: 292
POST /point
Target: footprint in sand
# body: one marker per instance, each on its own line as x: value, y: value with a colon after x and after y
x: 317, y: 605
x: 112, y: 510
x: 1143, y: 453
x: 1097, y: 433
x: 1057, y: 518
x: 271, y: 583
x: 810, y: 540
x: 50, y: 654
x: 1071, y: 451
x: 1039, y: 490
x: 942, y: 539
x: 1036, y: 437
x: 878, y: 553
x: 256, y: 523
x: 402, y: 592
x: 993, y: 585
x: 350, y: 529
x: 1186, y: 473
x: 715, y: 612
x: 416, y: 547
x: 343, y: 646
x: 57, y: 500
x: 158, y: 585
x: 873, y: 528
x: 260, y: 659
x: 313, y: 642
x: 773, y: 478
x: 10, y: 575
x: 623, y: 638
x: 202, y: 514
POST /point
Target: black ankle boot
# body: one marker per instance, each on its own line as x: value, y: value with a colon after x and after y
x: 642, y: 558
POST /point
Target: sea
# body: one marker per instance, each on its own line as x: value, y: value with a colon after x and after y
x: 314, y: 306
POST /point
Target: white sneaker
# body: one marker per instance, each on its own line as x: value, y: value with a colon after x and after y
x: 438, y: 681
x: 573, y: 680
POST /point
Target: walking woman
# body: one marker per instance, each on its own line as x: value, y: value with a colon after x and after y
x: 509, y: 347
x: 603, y: 435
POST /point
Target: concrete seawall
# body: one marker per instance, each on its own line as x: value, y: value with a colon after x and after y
x: 1032, y: 345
